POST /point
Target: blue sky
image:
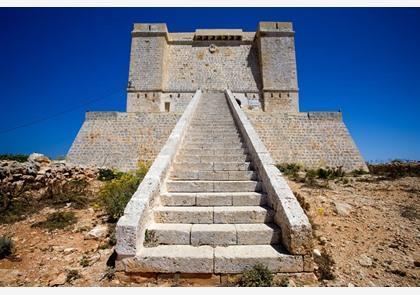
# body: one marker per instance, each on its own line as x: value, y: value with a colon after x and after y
x: 59, y: 63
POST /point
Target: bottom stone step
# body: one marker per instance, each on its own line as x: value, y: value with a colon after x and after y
x: 174, y: 258
x: 237, y: 259
x: 218, y: 260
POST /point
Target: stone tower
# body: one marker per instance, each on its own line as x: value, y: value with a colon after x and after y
x: 259, y: 68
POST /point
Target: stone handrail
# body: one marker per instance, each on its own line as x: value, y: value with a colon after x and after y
x: 295, y: 227
x: 131, y: 226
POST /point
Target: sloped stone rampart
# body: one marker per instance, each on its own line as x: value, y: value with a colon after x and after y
x: 312, y: 139
x: 121, y: 140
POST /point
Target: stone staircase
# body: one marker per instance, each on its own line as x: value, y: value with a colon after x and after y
x: 212, y: 216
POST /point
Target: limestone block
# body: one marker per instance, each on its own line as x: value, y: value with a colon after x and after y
x: 213, y: 199
x: 248, y: 199
x: 169, y: 234
x: 237, y: 259
x: 235, y: 186
x: 172, y: 259
x: 257, y: 234
x: 178, y: 199
x: 242, y: 214
x: 184, y: 214
x: 213, y: 234
x: 189, y: 186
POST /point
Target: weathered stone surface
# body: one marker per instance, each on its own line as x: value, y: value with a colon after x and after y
x: 213, y: 199
x: 341, y: 208
x: 172, y: 259
x: 169, y: 234
x: 242, y: 214
x: 178, y: 199
x: 98, y: 232
x: 213, y: 234
x: 258, y: 234
x: 184, y: 214
x: 236, y: 259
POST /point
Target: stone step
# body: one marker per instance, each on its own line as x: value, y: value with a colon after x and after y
x: 212, y: 158
x: 213, y: 199
x: 189, y: 174
x: 193, y: 131
x: 214, y: 142
x: 212, y: 145
x: 214, y: 137
x: 213, y: 151
x: 226, y: 214
x: 211, y: 234
x: 196, y: 186
x: 211, y: 166
x: 237, y: 259
x: 242, y: 214
x: 173, y: 259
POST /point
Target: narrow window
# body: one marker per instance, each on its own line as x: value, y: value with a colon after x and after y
x: 167, y: 106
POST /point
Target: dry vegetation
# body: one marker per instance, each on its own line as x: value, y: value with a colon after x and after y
x: 366, y: 227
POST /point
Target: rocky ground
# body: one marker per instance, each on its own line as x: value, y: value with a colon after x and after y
x: 369, y: 227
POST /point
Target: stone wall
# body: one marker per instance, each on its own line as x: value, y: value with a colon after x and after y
x: 121, y: 140
x: 158, y: 101
x: 311, y: 139
x: 230, y: 66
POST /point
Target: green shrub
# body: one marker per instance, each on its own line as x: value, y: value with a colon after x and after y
x: 108, y: 174
x: 57, y: 220
x: 289, y: 169
x: 116, y: 193
x: 85, y: 261
x: 6, y: 247
x: 14, y: 157
x: 330, y: 173
x: 257, y: 276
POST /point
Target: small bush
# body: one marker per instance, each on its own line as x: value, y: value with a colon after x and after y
x: 116, y: 193
x: 74, y: 191
x: 257, y: 276
x: 108, y: 174
x: 57, y: 220
x: 6, y: 247
x: 330, y: 173
x: 85, y: 261
x: 325, y: 266
x: 289, y: 169
x: 14, y: 157
x: 72, y: 275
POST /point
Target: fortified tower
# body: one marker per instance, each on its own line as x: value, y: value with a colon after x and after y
x: 214, y: 111
x: 259, y: 68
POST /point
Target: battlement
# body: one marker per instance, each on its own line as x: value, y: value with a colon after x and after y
x: 275, y: 27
